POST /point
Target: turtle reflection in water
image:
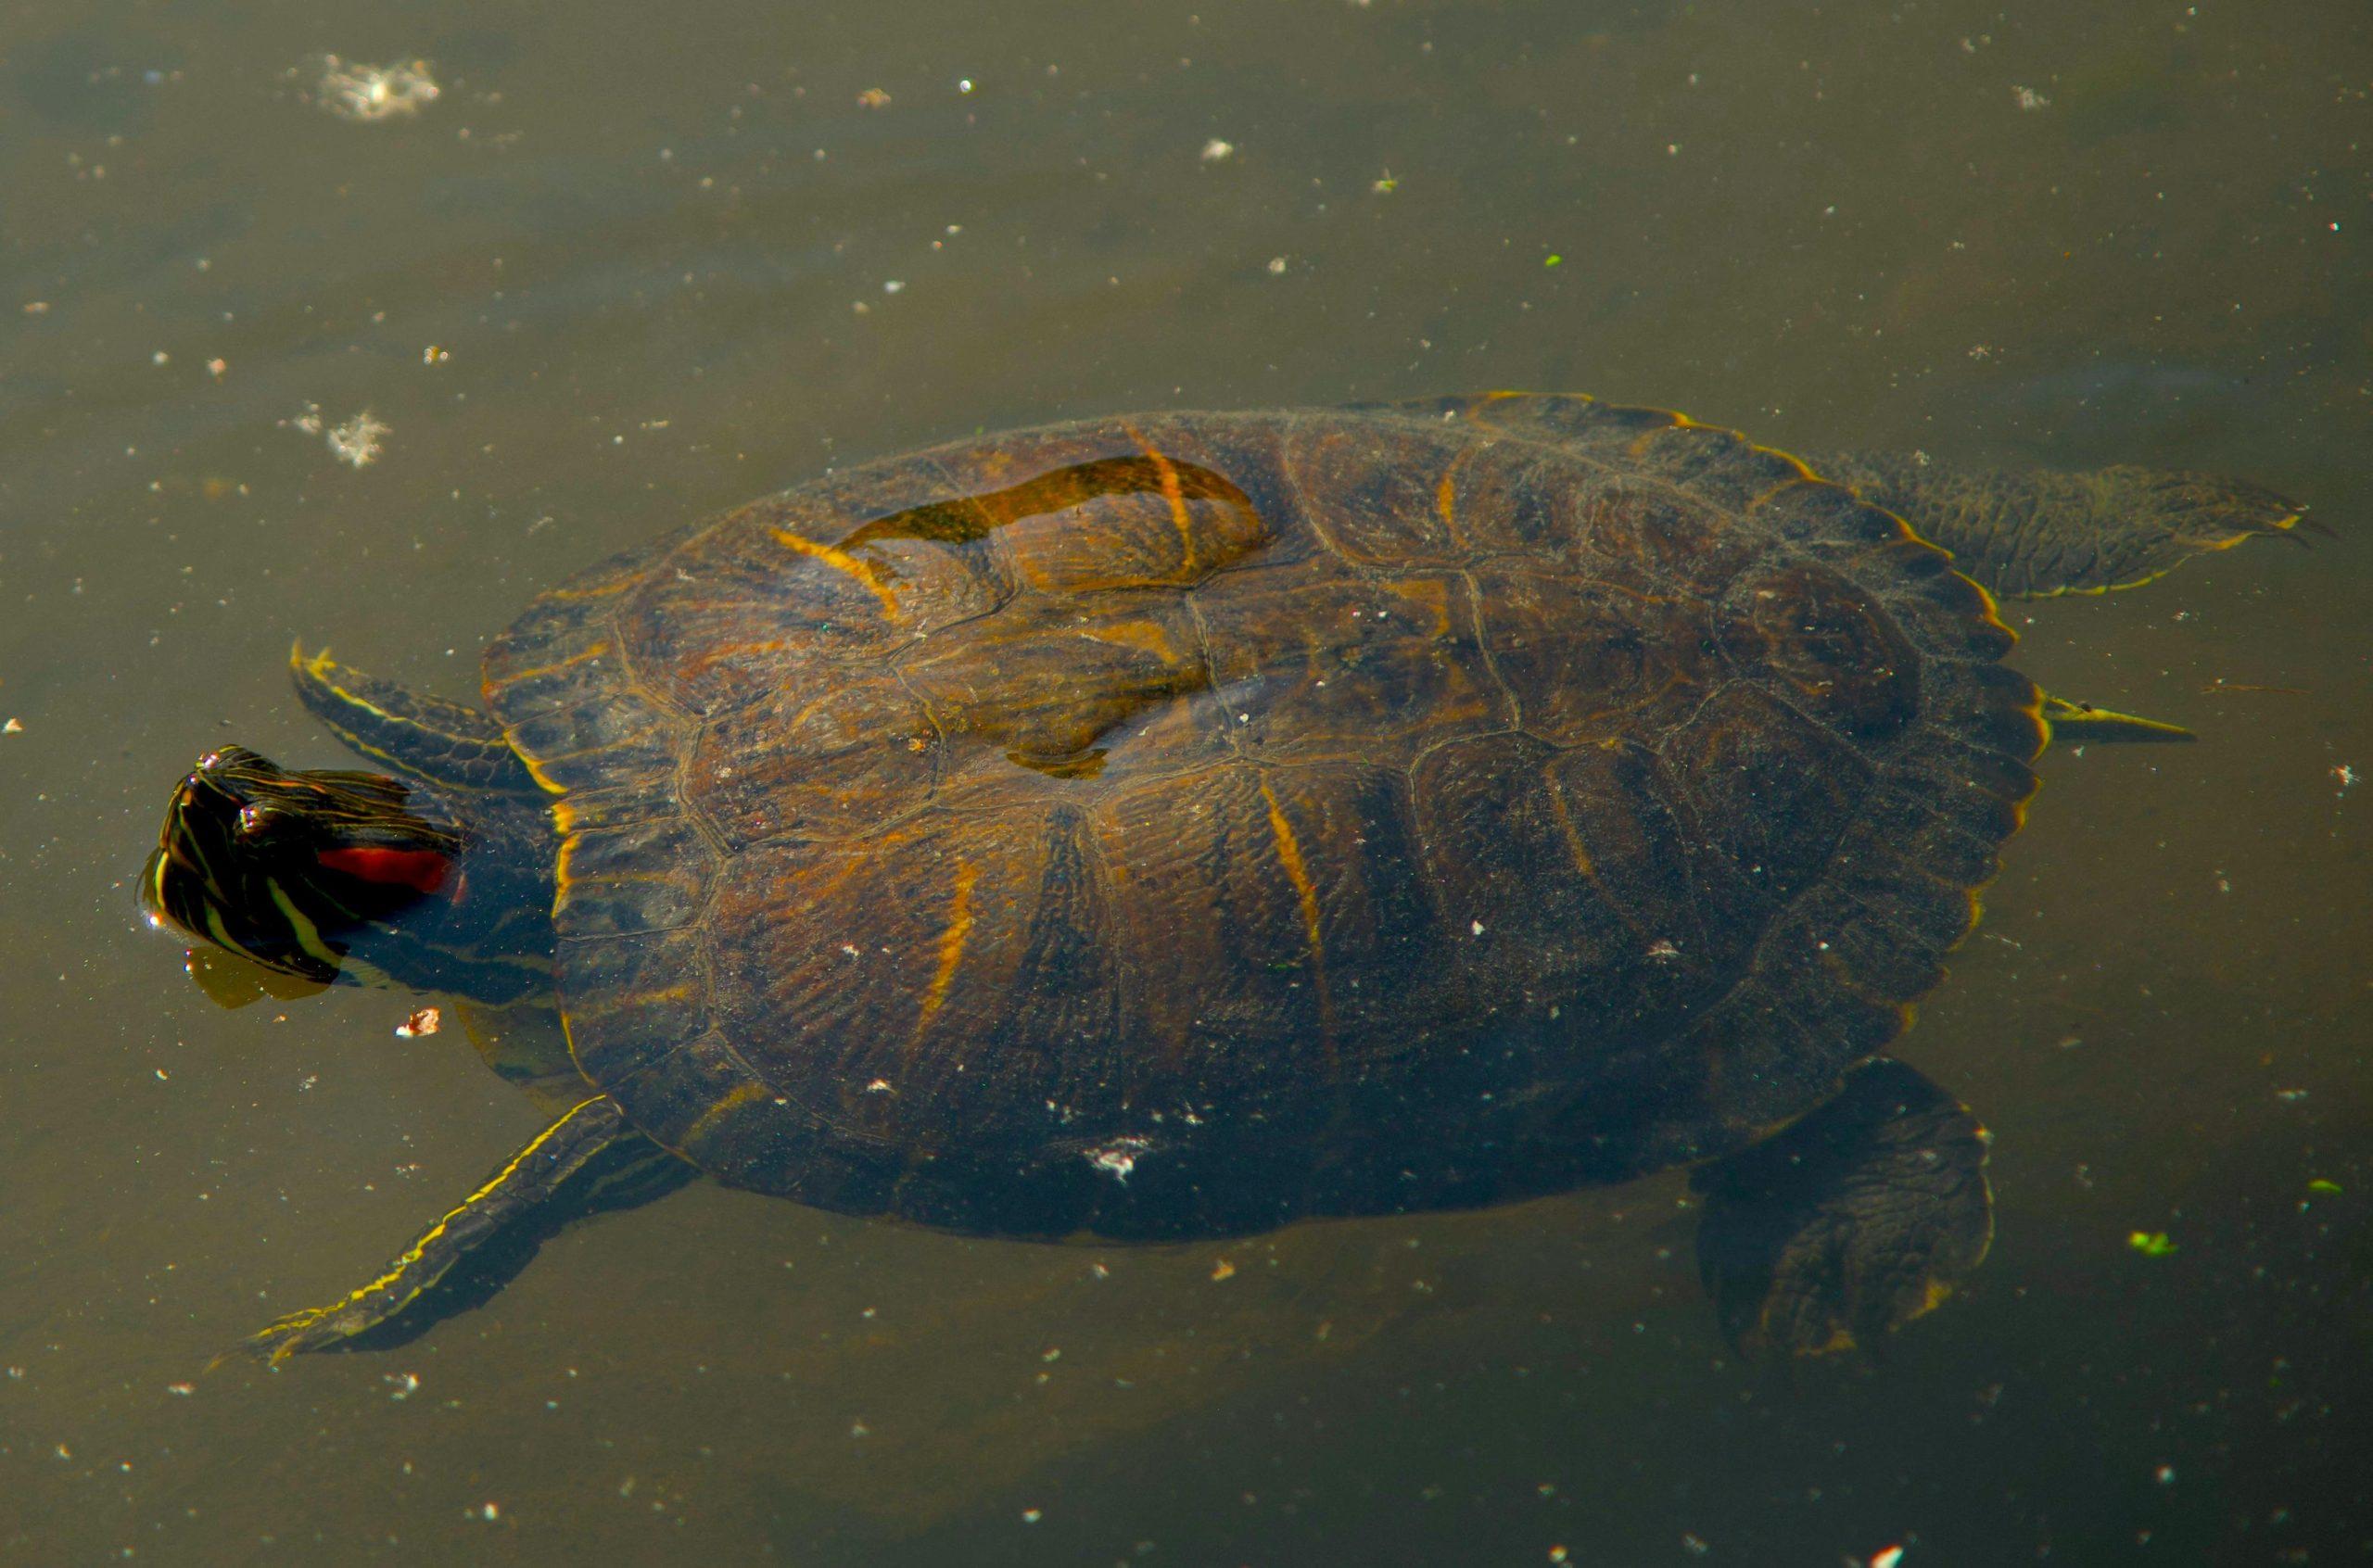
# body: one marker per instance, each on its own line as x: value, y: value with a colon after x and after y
x: 1180, y: 826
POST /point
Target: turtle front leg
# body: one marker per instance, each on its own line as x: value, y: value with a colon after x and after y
x: 1849, y: 1223
x: 589, y: 1159
x: 431, y: 739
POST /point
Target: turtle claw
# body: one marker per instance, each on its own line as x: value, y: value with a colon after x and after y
x: 1849, y: 1223
x: 316, y: 1328
x: 294, y: 1335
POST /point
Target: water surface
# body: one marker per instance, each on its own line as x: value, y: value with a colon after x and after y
x: 631, y: 265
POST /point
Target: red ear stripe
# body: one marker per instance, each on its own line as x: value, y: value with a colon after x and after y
x: 421, y: 870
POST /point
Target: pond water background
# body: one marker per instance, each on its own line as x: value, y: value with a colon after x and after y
x: 634, y: 265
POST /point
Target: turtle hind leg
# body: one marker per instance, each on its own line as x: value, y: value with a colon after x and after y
x: 1849, y: 1223
x: 590, y: 1160
x: 2044, y: 533
x: 431, y: 739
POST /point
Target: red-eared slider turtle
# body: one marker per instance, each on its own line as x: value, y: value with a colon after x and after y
x: 1180, y: 826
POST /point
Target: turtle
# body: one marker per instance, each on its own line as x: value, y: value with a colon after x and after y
x: 1180, y: 826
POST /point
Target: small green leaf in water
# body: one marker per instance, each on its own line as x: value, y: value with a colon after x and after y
x: 2321, y: 1186
x: 2150, y: 1243
x: 1552, y: 260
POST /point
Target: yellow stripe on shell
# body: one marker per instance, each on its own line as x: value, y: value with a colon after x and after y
x: 951, y: 941
x: 863, y: 572
x: 1172, y: 493
x: 725, y: 1105
x: 1306, y: 892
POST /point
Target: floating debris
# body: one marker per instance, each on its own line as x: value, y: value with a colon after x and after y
x: 1223, y: 1269
x: 1886, y: 1558
x: 356, y: 442
x: 427, y: 1021
x: 2151, y: 1244
x: 2215, y: 686
x: 1217, y: 151
x: 2029, y: 99
x: 369, y: 93
x: 874, y: 98
x: 2329, y: 1188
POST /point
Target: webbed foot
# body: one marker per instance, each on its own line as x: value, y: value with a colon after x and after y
x: 2043, y: 533
x: 1850, y: 1222
x: 588, y: 1160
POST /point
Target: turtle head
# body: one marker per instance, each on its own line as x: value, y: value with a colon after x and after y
x: 295, y: 871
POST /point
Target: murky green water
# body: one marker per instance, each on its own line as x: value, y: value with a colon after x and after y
x: 634, y: 265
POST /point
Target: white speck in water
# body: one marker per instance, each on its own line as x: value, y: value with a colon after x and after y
x: 369, y: 93
x: 1476, y: 925
x: 2029, y: 99
x: 1217, y: 151
x: 356, y: 442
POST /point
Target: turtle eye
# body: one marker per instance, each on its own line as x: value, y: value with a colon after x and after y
x: 256, y: 819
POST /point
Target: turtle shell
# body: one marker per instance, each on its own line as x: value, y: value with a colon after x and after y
x: 1180, y: 824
